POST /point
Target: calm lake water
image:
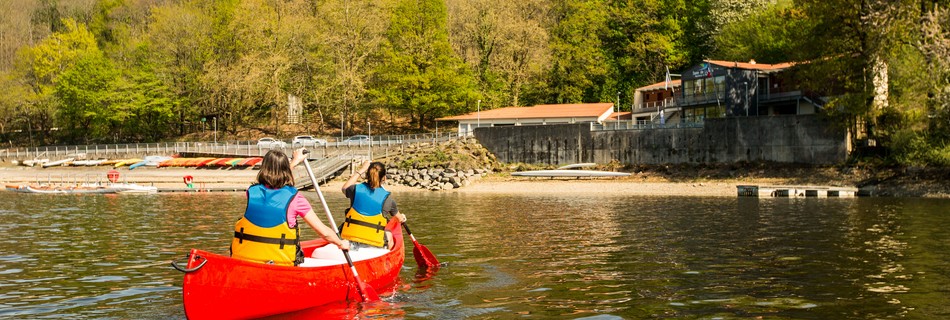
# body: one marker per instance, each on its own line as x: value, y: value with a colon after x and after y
x: 514, y: 257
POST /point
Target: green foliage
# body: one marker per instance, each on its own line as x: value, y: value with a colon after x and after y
x: 147, y: 70
x: 84, y: 89
x: 580, y: 66
x: 769, y: 36
x: 423, y: 77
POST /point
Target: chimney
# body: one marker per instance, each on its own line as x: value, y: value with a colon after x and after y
x: 752, y: 61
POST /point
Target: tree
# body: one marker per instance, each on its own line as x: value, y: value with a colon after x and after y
x: 580, y: 67
x: 350, y: 36
x: 504, y: 43
x: 180, y: 38
x: 768, y: 36
x: 83, y: 90
x: 420, y: 75
x: 645, y: 37
x: 850, y: 44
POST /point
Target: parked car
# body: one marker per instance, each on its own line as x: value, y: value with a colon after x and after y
x: 307, y: 141
x: 357, y: 139
x: 270, y: 143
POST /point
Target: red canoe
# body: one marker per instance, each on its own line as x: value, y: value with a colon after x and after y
x: 219, y: 287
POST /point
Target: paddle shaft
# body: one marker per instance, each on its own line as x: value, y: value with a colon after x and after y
x: 346, y: 253
x: 410, y: 233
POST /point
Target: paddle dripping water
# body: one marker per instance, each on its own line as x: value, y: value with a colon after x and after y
x: 543, y: 256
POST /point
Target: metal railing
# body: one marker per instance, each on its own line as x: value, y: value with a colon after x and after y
x: 245, y: 148
x: 640, y: 125
x: 654, y: 106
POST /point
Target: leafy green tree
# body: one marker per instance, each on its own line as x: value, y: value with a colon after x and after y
x: 44, y: 64
x: 349, y: 36
x: 645, y: 37
x: 850, y: 44
x: 504, y: 43
x: 420, y: 75
x: 580, y: 66
x: 83, y: 90
x: 180, y: 38
x: 768, y: 36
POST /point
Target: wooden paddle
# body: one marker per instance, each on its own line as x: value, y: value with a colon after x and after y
x: 366, y: 292
x: 424, y: 257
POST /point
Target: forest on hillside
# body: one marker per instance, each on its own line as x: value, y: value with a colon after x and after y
x: 90, y: 71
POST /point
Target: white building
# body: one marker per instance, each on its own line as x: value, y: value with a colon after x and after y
x: 534, y: 115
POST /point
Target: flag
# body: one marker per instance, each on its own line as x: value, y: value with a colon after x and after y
x: 669, y: 79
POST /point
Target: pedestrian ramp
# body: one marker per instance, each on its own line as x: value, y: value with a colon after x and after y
x: 324, y: 169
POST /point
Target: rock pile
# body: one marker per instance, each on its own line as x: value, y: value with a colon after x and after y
x: 435, y: 178
x: 440, y: 166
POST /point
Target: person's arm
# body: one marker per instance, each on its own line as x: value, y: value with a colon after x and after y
x: 326, y: 232
x: 297, y: 158
x: 352, y: 180
x: 389, y: 206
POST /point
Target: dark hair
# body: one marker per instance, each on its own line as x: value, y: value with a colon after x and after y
x: 275, y: 170
x: 375, y: 174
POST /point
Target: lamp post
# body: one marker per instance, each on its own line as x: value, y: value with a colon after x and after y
x: 369, y: 132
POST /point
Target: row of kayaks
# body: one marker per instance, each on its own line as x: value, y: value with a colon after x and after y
x: 83, y: 188
x: 211, y: 162
x: 150, y: 161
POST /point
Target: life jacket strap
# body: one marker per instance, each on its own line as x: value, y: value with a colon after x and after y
x: 250, y: 237
x: 378, y: 227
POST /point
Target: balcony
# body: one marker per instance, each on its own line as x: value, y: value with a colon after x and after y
x: 654, y: 106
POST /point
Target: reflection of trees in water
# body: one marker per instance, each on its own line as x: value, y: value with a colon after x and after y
x: 907, y: 241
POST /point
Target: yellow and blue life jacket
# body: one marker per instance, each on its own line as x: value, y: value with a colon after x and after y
x: 365, y: 222
x: 263, y: 234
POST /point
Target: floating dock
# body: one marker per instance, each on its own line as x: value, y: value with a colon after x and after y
x: 796, y: 191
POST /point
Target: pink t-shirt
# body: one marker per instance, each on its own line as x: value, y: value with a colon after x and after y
x: 299, y: 206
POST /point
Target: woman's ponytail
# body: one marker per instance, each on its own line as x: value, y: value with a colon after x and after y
x: 375, y: 174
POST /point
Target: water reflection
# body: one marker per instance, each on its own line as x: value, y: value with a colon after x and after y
x: 538, y: 256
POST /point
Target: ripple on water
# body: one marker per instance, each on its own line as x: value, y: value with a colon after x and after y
x: 103, y: 278
x: 11, y: 271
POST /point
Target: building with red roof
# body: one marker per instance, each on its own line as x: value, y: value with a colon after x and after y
x: 533, y: 115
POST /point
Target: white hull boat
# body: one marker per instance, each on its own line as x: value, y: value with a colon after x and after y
x: 569, y: 173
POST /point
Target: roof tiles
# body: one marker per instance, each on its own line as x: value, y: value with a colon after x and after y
x: 579, y: 110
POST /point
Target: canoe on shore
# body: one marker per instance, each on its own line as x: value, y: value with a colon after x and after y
x: 219, y: 287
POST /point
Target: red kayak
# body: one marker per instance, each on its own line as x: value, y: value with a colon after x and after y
x: 219, y: 287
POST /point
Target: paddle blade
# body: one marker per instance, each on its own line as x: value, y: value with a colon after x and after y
x: 367, y: 292
x: 424, y: 257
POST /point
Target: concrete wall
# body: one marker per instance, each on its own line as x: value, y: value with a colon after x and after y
x: 787, y: 139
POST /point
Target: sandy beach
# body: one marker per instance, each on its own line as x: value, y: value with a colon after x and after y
x: 241, y: 178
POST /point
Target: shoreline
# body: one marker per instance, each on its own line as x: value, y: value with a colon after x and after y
x: 496, y: 183
x: 493, y: 183
x: 241, y: 178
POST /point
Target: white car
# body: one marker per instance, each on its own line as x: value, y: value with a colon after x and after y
x: 357, y: 139
x: 307, y: 141
x: 271, y: 143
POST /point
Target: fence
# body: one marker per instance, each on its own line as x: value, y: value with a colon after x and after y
x: 242, y: 148
x: 640, y: 125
